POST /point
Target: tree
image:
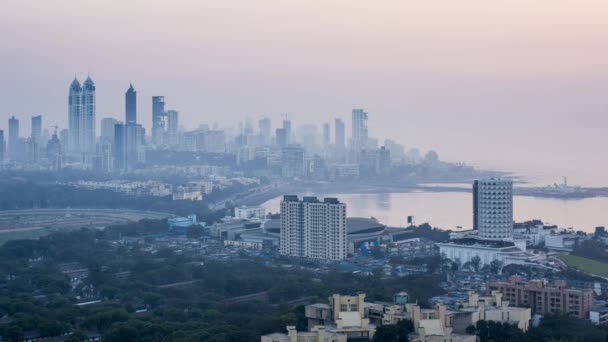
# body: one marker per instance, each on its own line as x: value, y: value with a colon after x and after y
x: 194, y: 231
x: 394, y: 332
x: 476, y: 263
x: 496, y: 266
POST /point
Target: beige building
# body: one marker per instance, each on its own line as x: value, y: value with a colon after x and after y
x: 347, y: 315
x: 489, y: 308
x: 434, y: 325
x: 545, y: 299
x: 316, y: 334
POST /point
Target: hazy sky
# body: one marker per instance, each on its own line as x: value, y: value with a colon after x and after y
x: 515, y: 84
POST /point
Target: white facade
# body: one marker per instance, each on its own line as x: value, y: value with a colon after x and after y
x: 486, y: 253
x: 493, y: 209
x: 313, y: 229
x: 248, y: 213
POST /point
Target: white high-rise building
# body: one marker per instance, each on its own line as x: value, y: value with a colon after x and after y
x: 493, y: 209
x: 87, y: 124
x: 313, y: 229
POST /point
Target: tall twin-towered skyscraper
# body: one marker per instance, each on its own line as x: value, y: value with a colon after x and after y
x: 81, y: 117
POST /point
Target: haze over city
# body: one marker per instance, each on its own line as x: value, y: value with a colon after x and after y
x: 516, y: 86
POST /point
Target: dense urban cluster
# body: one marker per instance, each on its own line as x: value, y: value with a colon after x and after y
x: 128, y: 236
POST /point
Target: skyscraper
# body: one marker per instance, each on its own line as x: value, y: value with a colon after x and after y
x: 87, y: 124
x: 159, y: 118
x: 74, y: 116
x: 359, y: 132
x: 172, y: 128
x: 2, y: 146
x: 131, y: 105
x: 37, y: 129
x: 493, y: 209
x: 13, y: 138
x: 339, y: 135
x: 313, y: 229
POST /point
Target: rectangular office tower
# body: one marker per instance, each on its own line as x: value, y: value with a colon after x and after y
x: 313, y: 229
x: 493, y: 209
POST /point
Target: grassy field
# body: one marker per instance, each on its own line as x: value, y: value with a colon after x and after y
x: 587, y: 265
x: 25, y: 234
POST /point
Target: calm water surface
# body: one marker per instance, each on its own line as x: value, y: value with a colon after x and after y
x: 449, y: 210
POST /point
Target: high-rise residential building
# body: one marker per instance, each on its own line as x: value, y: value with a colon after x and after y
x: 131, y: 105
x: 159, y: 120
x: 493, y: 209
x: 359, y: 130
x: 339, y: 135
x: 74, y: 116
x: 13, y: 138
x: 37, y: 129
x: 87, y: 124
x: 326, y: 135
x: 172, y: 128
x: 265, y: 128
x: 288, y: 131
x: 2, y: 147
x: 107, y: 130
x: 313, y: 229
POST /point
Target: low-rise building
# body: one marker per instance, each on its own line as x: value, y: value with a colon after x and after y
x: 543, y: 298
x: 250, y: 213
x: 348, y: 315
x: 316, y: 334
x: 599, y: 313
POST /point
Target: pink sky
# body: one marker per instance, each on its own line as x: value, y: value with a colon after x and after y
x: 513, y: 84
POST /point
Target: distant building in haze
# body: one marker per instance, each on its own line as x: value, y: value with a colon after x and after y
x: 339, y: 135
x: 265, y: 128
x: 131, y: 106
x: 493, y: 209
x: 37, y: 129
x: 107, y: 130
x: 2, y: 147
x: 159, y: 120
x: 288, y: 131
x: 13, y: 138
x: 359, y: 130
x: 172, y: 128
x: 281, y: 137
x: 313, y: 229
x: 326, y: 135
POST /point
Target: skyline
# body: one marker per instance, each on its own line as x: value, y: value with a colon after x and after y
x: 433, y: 77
